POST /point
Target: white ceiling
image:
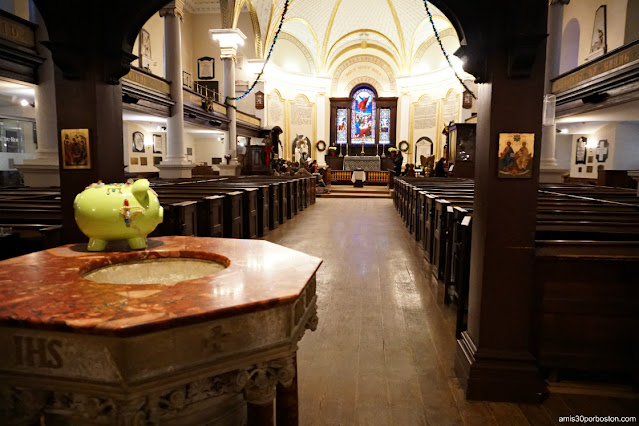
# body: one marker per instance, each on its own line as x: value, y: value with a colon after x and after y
x: 329, y: 29
x: 152, y: 123
x: 13, y: 92
x: 628, y: 111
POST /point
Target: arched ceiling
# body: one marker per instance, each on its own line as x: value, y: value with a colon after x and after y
x: 333, y: 30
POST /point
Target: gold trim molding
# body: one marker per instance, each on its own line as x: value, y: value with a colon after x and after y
x: 148, y: 81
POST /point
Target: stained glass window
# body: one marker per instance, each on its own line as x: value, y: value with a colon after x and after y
x: 342, y: 125
x: 363, y: 118
x: 384, y: 126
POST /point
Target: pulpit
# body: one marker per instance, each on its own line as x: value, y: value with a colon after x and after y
x: 256, y: 161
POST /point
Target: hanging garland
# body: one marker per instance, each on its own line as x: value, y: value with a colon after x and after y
x: 268, y: 56
x: 441, y: 46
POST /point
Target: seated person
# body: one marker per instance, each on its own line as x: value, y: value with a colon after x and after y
x: 440, y: 168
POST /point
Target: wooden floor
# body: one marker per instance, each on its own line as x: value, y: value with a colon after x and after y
x: 383, y: 353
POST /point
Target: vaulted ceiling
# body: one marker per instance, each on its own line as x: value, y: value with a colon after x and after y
x: 330, y: 31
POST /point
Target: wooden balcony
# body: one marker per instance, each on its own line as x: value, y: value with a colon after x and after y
x: 608, y: 80
x: 19, y: 59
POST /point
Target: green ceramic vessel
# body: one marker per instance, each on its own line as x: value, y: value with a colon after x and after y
x: 117, y: 211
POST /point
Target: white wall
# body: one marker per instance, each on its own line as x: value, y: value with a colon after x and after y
x: 148, y: 154
x: 155, y: 27
x: 626, y: 148
x: 584, y: 12
x: 563, y: 151
x: 209, y: 147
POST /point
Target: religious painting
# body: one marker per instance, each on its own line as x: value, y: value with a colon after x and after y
x: 602, y: 151
x: 342, y: 126
x: 138, y: 142
x: 516, y: 152
x: 384, y: 126
x: 157, y: 144
x: 76, y: 153
x: 145, y: 50
x: 144, y: 161
x: 580, y: 153
x: 598, y: 41
x: 135, y: 161
x: 206, y: 68
x: 363, y: 117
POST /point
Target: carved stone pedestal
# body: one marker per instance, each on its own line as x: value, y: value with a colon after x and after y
x: 214, y: 350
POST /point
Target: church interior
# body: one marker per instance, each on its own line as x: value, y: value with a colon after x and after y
x: 336, y: 212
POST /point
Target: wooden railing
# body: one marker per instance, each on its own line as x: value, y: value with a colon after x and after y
x: 377, y: 177
x: 207, y: 93
x: 340, y: 176
x: 371, y: 177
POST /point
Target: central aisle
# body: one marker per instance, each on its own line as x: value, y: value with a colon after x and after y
x: 384, y: 348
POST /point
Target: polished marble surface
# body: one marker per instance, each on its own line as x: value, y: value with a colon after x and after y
x: 46, y: 290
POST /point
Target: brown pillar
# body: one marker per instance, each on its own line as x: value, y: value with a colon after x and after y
x: 286, y: 404
x: 91, y: 104
x: 91, y: 45
x: 495, y: 359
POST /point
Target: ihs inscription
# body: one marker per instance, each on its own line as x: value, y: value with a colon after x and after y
x: 215, y: 340
x: 38, y: 352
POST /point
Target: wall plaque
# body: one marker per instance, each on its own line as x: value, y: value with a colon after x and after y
x: 259, y: 100
x: 206, y: 68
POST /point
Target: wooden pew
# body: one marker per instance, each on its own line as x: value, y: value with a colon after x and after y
x: 209, y: 213
x: 17, y: 239
x: 562, y: 342
x: 250, y: 202
x: 232, y: 215
x: 587, y: 310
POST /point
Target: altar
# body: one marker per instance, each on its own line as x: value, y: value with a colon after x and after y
x: 367, y: 163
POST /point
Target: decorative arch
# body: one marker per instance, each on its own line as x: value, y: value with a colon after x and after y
x: 425, y: 142
x: 429, y: 42
x: 570, y: 46
x: 255, y: 22
x: 364, y: 58
x: 364, y: 80
x: 302, y: 47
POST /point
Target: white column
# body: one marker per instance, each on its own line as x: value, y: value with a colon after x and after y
x: 321, y: 126
x: 44, y: 169
x: 549, y: 169
x: 175, y: 164
x: 229, y: 40
x: 403, y: 111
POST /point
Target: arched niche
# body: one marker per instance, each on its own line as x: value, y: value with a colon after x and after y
x: 424, y: 146
x: 570, y: 46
